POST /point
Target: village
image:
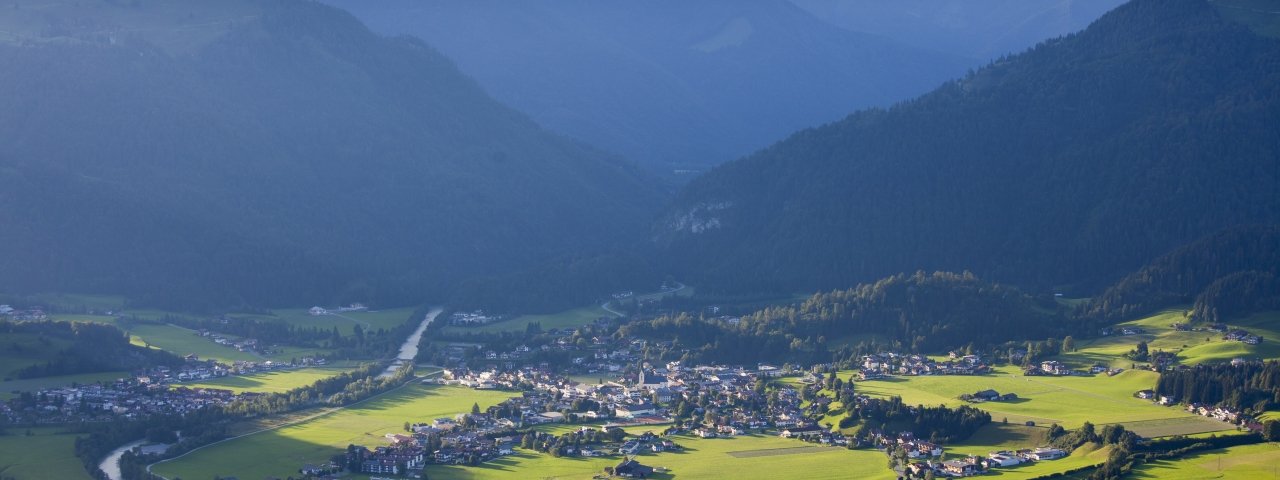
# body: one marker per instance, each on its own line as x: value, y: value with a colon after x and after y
x: 154, y: 391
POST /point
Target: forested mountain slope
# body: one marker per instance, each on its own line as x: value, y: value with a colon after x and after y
x: 669, y: 83
x: 273, y: 152
x: 982, y: 30
x: 1224, y: 276
x: 1069, y: 165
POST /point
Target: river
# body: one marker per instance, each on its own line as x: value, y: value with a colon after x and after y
x: 111, y: 464
x: 409, y: 350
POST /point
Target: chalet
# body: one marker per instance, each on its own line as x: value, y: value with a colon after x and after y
x: 988, y: 395
x: 1054, y: 367
x: 632, y: 469
x: 800, y: 432
x: 1168, y: 400
x: 317, y: 311
x: 959, y: 468
x: 1146, y: 394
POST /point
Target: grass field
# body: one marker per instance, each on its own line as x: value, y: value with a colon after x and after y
x: 1166, y: 427
x: 998, y: 436
x: 1191, y: 347
x: 270, y: 382
x: 344, y: 321
x: 566, y: 319
x: 8, y: 389
x: 1246, y: 462
x: 282, y: 451
x: 21, y: 350
x: 45, y: 454
x: 744, y: 457
x: 1069, y: 401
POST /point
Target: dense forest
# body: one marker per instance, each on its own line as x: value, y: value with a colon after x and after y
x: 1226, y: 275
x: 1062, y: 168
x: 1251, y: 387
x: 91, y: 348
x: 922, y: 312
x: 275, y: 153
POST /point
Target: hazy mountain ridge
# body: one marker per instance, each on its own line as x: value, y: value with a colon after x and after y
x: 669, y: 83
x: 1072, y: 163
x: 297, y: 157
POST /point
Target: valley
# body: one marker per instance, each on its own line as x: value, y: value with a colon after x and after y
x: 612, y: 239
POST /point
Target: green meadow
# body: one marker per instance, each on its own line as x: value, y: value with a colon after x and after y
x: 1247, y: 462
x: 566, y: 319
x: 46, y: 453
x: 1000, y: 436
x: 270, y: 382
x: 744, y: 457
x: 280, y: 452
x: 1068, y: 401
x: 21, y: 350
x: 1191, y: 347
x: 345, y: 322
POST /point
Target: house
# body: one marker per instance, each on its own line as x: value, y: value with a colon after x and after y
x: 1045, y: 453
x: 1168, y: 400
x: 959, y: 468
x: 633, y: 411
x: 1146, y: 394
x: 633, y: 469
x: 987, y: 395
x: 1004, y: 459
x: 317, y: 311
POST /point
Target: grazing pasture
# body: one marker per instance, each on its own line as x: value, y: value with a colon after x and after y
x: 1246, y: 462
x: 270, y: 382
x: 45, y: 453
x: 281, y: 451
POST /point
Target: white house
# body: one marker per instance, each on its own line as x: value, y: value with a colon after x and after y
x: 317, y: 311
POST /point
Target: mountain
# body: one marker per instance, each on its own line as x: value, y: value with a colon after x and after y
x: 274, y: 152
x: 668, y: 83
x: 1225, y: 275
x: 1066, y: 166
x: 981, y: 30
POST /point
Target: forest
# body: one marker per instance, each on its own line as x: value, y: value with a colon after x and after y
x: 1251, y: 387
x: 1226, y: 274
x: 92, y: 348
x: 921, y: 312
x: 1060, y: 169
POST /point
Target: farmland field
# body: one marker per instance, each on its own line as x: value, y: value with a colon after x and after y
x: 270, y: 382
x: 44, y: 454
x: 748, y: 457
x: 566, y: 319
x: 1244, y: 463
x: 21, y: 350
x: 345, y: 322
x: 1069, y: 401
x: 1191, y: 347
x: 1166, y: 427
x: 282, y: 451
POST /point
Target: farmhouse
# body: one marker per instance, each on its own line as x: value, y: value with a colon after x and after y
x: 633, y: 469
x: 317, y: 311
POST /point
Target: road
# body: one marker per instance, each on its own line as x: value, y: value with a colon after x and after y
x: 606, y: 308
